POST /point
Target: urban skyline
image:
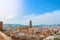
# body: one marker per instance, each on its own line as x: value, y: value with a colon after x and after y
x: 29, y: 19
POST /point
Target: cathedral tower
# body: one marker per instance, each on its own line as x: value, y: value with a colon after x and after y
x: 30, y: 25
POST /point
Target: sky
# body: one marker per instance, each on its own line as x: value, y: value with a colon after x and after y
x: 22, y: 11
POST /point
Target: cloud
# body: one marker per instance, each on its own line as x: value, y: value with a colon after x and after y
x: 46, y: 18
x: 9, y: 10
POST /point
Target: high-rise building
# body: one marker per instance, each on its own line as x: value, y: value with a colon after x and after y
x: 30, y: 25
x: 1, y: 25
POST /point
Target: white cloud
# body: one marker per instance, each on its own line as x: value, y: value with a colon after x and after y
x: 46, y: 18
x: 9, y: 10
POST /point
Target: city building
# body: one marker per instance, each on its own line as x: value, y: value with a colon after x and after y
x: 49, y: 38
x: 1, y: 25
x: 30, y: 25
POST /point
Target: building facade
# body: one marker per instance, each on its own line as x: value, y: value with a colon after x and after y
x: 1, y: 25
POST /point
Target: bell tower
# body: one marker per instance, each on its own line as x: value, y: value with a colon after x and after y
x: 30, y: 25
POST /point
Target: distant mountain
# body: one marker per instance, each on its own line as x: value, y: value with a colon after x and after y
x: 48, y: 25
x: 51, y: 25
x: 14, y: 25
